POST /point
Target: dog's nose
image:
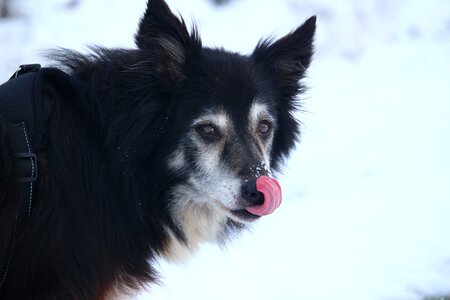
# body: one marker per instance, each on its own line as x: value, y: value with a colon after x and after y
x: 250, y: 194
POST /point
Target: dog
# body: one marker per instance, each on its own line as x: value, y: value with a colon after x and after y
x: 146, y: 153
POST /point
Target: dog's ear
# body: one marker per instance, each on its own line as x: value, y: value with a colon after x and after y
x: 287, y: 60
x: 166, y: 38
x: 289, y: 56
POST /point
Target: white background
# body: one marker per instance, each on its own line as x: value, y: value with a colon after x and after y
x: 366, y: 211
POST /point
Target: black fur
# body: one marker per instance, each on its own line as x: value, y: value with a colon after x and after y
x: 101, y: 202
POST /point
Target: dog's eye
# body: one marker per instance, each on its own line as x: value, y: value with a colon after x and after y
x: 264, y: 127
x: 208, y: 132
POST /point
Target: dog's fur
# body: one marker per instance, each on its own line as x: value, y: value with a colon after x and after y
x: 148, y: 157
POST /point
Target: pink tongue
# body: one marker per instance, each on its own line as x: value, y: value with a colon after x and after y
x: 271, y: 190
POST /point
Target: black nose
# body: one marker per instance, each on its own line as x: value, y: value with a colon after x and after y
x: 250, y: 194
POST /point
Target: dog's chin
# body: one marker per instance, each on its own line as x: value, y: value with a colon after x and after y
x: 243, y: 216
x: 238, y: 214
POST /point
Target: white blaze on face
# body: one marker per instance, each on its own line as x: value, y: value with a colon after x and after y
x: 260, y: 112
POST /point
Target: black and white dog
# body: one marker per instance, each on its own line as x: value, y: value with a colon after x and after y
x: 153, y: 151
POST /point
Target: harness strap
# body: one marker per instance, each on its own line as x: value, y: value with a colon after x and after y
x: 21, y: 106
x: 26, y: 163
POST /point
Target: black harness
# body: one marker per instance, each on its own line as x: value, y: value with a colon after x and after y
x: 22, y: 107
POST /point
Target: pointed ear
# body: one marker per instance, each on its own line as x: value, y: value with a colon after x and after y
x: 166, y: 37
x: 289, y: 56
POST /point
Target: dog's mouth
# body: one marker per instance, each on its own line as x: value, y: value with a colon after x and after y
x: 264, y: 198
x: 266, y: 189
x: 244, y: 215
x: 250, y: 207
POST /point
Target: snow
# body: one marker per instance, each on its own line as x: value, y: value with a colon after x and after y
x: 366, y: 205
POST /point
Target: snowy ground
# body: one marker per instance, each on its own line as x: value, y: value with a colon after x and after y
x: 366, y: 212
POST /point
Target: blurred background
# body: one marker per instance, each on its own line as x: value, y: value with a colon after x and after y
x: 366, y: 211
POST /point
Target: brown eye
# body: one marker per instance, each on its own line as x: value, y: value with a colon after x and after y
x: 264, y: 127
x: 208, y: 132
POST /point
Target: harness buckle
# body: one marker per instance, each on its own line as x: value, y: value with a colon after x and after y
x: 27, y: 166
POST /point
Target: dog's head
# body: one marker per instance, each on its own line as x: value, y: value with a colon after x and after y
x: 228, y: 120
